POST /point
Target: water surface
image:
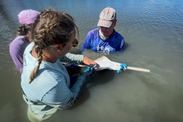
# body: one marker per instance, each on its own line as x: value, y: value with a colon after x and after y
x: 153, y: 31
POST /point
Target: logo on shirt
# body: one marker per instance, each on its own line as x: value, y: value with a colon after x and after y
x: 103, y: 49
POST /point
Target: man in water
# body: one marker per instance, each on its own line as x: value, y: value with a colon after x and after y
x: 105, y: 38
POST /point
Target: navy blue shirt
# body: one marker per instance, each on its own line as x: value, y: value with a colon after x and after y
x: 93, y: 41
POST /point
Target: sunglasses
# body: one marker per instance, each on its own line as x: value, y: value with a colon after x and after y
x: 74, y: 43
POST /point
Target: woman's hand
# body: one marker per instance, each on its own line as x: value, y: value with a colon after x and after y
x: 88, y: 61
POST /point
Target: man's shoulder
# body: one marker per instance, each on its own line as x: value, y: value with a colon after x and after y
x: 93, y: 31
x: 118, y: 34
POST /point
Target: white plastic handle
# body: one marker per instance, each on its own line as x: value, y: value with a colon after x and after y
x: 138, y: 69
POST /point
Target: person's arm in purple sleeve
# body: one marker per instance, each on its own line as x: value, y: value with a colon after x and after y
x: 17, y: 56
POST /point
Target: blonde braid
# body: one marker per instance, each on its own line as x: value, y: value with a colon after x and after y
x: 35, y: 70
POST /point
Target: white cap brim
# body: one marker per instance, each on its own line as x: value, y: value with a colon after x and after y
x: 104, y: 23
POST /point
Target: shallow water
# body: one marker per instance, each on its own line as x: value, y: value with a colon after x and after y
x: 153, y: 31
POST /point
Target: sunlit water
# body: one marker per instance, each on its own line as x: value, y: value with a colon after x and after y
x: 153, y: 31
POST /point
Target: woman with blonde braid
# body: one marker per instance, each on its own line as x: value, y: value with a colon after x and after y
x: 45, y: 81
